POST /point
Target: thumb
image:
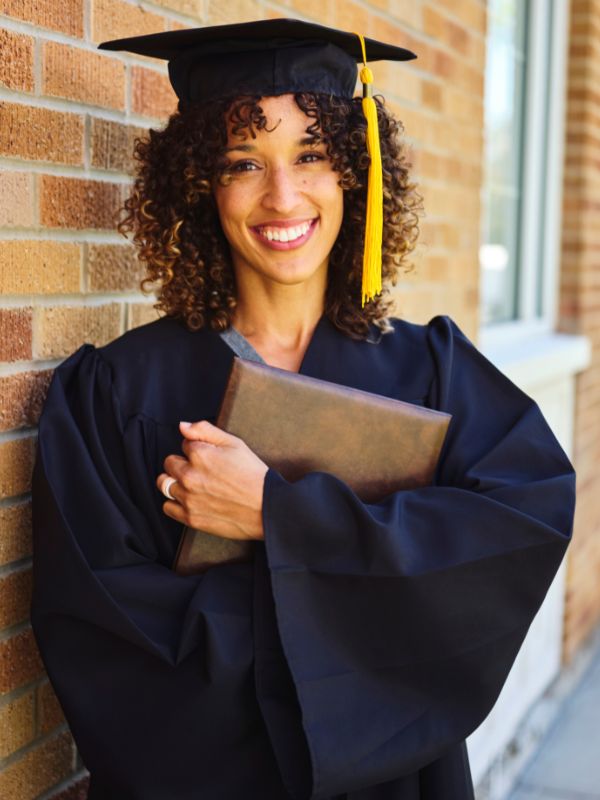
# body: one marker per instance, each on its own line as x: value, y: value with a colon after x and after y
x: 204, y: 431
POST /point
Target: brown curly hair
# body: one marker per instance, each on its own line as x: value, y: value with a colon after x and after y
x: 173, y: 216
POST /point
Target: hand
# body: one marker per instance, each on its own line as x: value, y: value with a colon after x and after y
x: 219, y: 485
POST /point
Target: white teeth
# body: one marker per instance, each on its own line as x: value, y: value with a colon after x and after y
x: 285, y: 234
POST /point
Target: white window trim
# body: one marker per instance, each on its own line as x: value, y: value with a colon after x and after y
x: 495, y: 336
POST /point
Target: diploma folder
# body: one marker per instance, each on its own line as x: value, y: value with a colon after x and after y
x: 297, y: 424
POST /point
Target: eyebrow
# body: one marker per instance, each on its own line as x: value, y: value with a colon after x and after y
x: 250, y: 148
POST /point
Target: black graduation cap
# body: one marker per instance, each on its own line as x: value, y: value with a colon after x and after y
x: 274, y: 57
x: 266, y: 57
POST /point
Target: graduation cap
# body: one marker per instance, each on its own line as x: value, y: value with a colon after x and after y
x: 274, y: 57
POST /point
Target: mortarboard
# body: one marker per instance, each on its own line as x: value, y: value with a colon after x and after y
x: 274, y: 57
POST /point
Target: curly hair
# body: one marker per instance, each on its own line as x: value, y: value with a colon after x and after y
x: 176, y: 229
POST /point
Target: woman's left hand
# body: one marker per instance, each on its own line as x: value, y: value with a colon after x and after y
x: 219, y: 485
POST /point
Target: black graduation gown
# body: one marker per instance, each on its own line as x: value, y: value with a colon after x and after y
x: 362, y: 644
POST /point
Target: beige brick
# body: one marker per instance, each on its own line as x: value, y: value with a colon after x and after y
x: 151, y: 93
x: 15, y: 334
x: 16, y: 724
x: 15, y: 532
x: 16, y: 64
x: 40, y: 134
x: 15, y: 597
x: 80, y: 75
x: 115, y: 19
x: 79, y: 203
x: 39, y: 267
x: 16, y: 199
x: 20, y: 663
x: 49, y: 709
x: 112, y: 145
x: 233, y: 11
x: 141, y: 313
x: 16, y: 464
x: 62, y: 329
x: 38, y: 770
x: 113, y: 268
x: 21, y: 398
x: 193, y: 8
x: 66, y: 16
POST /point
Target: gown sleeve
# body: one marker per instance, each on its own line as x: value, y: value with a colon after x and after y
x: 150, y: 667
x: 401, y: 619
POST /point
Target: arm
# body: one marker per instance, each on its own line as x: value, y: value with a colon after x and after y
x: 400, y: 620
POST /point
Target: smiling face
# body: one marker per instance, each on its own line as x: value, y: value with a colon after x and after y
x: 282, y: 209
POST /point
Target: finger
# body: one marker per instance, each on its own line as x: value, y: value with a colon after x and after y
x: 205, y: 431
x: 175, y: 489
x: 175, y: 511
x: 175, y: 465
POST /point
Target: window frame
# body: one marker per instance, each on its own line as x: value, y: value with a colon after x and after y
x: 547, y: 33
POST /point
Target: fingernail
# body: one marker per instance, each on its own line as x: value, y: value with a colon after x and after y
x: 185, y: 424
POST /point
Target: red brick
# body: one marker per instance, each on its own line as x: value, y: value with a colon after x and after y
x: 15, y: 597
x: 151, y: 93
x: 16, y: 64
x: 79, y: 203
x: 15, y: 532
x: 16, y: 724
x: 50, y: 712
x: 38, y: 770
x: 115, y: 19
x: 76, y: 791
x: 16, y: 464
x: 15, y: 334
x: 40, y: 134
x: 80, y: 75
x: 21, y: 398
x: 66, y: 16
x: 20, y: 663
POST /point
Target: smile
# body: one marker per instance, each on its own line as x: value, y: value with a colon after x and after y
x: 285, y: 237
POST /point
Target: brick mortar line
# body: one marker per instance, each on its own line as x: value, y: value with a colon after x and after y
x: 17, y: 693
x: 50, y: 103
x: 91, y: 300
x: 67, y: 783
x: 15, y: 501
x: 12, y: 436
x: 20, y: 565
x: 64, y: 235
x: 9, y: 633
x: 64, y: 170
x: 13, y: 758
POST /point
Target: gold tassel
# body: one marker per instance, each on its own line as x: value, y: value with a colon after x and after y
x: 371, y: 276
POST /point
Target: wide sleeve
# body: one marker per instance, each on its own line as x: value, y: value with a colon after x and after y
x: 139, y: 656
x: 401, y: 619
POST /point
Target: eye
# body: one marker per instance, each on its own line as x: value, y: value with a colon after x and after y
x: 307, y: 158
x: 242, y: 166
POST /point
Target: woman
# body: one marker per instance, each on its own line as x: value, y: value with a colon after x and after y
x: 363, y: 643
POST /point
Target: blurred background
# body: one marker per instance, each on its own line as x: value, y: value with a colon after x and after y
x: 501, y: 112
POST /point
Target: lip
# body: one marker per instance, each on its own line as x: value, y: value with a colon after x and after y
x: 288, y: 223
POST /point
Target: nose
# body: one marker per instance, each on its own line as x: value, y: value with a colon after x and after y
x: 282, y: 190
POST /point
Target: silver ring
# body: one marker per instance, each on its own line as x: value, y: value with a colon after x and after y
x: 166, y: 488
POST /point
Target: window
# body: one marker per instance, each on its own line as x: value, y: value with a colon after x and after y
x: 524, y: 95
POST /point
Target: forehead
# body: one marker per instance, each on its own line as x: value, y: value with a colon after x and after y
x: 283, y: 116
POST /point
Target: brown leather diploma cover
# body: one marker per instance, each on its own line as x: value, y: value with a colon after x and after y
x: 297, y: 424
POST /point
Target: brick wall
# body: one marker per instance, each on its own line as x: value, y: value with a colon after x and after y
x: 68, y: 117
x: 580, y: 309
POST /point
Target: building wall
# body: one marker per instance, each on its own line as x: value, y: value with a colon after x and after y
x: 68, y: 117
x: 580, y: 310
